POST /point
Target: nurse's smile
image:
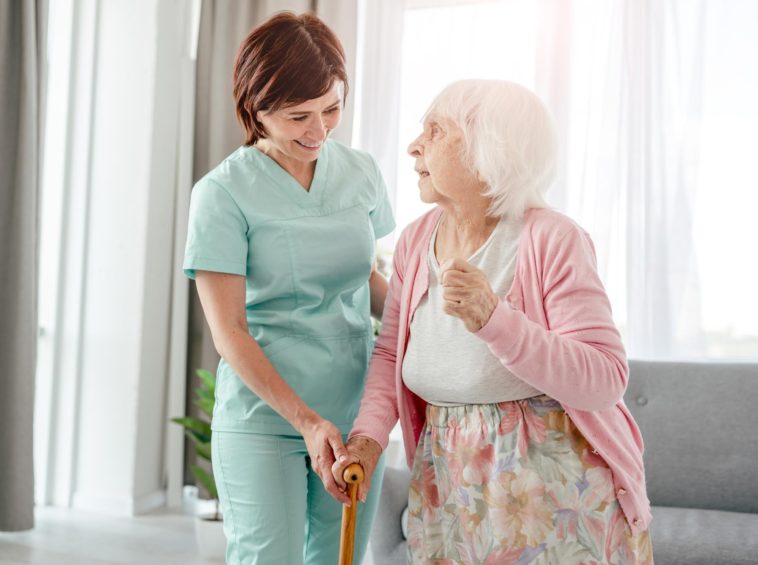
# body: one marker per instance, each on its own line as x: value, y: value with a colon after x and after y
x: 310, y: 146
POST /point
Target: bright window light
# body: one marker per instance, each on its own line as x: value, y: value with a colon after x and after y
x: 446, y: 41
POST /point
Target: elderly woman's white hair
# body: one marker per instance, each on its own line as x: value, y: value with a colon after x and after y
x: 509, y: 140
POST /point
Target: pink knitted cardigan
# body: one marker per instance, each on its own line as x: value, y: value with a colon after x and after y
x: 553, y: 329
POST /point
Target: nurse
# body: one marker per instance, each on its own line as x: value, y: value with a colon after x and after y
x: 281, y: 244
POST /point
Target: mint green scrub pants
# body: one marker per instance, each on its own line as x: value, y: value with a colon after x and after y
x: 276, y: 509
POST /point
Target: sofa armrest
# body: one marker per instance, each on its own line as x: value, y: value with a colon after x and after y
x: 388, y: 545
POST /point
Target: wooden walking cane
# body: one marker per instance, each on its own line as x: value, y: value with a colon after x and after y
x: 353, y: 476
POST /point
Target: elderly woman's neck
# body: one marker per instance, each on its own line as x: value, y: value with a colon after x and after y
x: 470, y: 222
x: 462, y: 231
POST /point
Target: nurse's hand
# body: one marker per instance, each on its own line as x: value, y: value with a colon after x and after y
x: 365, y: 451
x: 325, y: 448
x: 467, y: 293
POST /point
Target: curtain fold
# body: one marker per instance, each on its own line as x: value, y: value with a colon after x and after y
x: 21, y: 47
x: 635, y: 98
x: 379, y: 85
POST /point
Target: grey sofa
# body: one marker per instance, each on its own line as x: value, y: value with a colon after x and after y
x: 700, y: 426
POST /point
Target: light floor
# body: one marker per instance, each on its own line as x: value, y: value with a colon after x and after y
x: 68, y: 537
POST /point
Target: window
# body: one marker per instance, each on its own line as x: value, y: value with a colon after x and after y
x: 655, y: 114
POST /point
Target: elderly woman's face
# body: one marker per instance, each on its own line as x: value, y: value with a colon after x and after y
x: 445, y: 177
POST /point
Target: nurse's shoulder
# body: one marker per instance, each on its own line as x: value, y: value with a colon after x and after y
x: 239, y: 174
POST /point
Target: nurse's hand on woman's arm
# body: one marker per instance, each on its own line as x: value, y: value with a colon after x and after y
x: 365, y: 451
x: 223, y: 299
x: 378, y: 287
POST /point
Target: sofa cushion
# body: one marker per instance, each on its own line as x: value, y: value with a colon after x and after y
x: 388, y: 545
x: 699, y: 422
x: 683, y: 536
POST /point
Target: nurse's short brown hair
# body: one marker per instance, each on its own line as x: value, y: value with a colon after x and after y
x: 284, y: 61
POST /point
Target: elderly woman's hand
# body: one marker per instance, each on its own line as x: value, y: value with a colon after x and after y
x: 467, y: 293
x: 361, y: 450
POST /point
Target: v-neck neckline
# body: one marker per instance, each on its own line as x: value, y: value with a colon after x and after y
x: 293, y: 189
x: 435, y: 264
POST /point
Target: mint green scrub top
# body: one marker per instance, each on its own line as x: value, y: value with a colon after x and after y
x: 306, y: 257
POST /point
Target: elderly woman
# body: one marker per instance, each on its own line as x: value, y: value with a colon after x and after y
x: 499, y: 355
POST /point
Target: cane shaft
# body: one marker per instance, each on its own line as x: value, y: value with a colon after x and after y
x: 353, y: 475
x: 347, y: 537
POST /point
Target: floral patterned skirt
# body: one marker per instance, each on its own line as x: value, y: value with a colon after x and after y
x: 514, y: 483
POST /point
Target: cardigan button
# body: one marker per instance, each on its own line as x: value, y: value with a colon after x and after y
x: 594, y: 451
x: 636, y: 521
x: 621, y: 492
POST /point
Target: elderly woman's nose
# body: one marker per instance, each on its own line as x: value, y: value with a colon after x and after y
x: 414, y: 149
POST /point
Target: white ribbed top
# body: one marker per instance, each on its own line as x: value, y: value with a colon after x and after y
x: 446, y: 364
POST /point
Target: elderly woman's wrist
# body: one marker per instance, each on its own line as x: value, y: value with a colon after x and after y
x: 360, y: 439
x: 492, y: 306
x: 364, y: 442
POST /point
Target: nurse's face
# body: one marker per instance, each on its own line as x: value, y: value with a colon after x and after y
x: 297, y: 133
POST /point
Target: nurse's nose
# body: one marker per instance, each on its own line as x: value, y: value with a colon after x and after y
x: 318, y: 128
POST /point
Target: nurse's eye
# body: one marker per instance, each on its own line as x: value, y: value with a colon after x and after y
x: 299, y: 118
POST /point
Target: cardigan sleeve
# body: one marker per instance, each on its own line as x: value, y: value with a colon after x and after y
x: 379, y: 411
x: 578, y: 359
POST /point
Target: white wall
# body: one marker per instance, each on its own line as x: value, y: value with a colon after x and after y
x: 115, y: 276
x: 106, y: 393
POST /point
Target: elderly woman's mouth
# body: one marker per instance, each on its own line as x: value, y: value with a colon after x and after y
x: 422, y: 173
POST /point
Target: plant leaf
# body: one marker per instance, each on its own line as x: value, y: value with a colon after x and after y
x: 205, y: 479
x: 208, y: 380
x: 203, y: 450
x: 197, y: 438
x: 203, y: 393
x: 194, y: 425
x: 206, y: 405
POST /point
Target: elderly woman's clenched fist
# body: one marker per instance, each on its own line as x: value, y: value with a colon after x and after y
x: 467, y: 293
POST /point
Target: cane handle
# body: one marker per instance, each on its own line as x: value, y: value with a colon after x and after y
x: 353, y: 474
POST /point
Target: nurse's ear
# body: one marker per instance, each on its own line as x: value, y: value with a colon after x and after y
x: 260, y: 121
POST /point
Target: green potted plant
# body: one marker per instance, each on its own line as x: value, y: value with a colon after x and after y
x: 208, y: 528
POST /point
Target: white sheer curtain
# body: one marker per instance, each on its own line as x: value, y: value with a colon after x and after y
x: 377, y: 85
x: 643, y: 99
x: 653, y: 100
x: 635, y: 107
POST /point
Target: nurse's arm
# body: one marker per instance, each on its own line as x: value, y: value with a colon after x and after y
x: 378, y: 286
x: 223, y: 299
